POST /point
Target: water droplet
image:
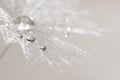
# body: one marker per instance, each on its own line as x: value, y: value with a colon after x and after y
x: 24, y: 22
x: 20, y: 35
x: 43, y: 48
x: 67, y: 32
x: 69, y: 29
x: 51, y: 28
x: 30, y: 39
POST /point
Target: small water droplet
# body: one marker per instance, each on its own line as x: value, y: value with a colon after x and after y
x: 69, y: 29
x: 67, y: 32
x: 43, y: 48
x: 51, y: 28
x: 20, y: 35
x: 30, y: 39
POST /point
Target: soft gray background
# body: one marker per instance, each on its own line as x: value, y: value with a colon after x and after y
x: 105, y: 62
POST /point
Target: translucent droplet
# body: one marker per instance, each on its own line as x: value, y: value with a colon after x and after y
x: 30, y: 39
x: 24, y: 23
x: 20, y: 35
x: 51, y: 28
x: 43, y: 48
x: 67, y: 34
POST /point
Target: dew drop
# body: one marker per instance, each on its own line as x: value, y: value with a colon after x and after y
x: 24, y: 23
x: 20, y: 35
x: 30, y: 39
x: 67, y: 32
x: 43, y: 48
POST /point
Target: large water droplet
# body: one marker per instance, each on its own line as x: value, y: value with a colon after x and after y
x: 24, y: 23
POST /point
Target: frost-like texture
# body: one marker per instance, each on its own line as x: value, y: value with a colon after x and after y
x: 44, y: 19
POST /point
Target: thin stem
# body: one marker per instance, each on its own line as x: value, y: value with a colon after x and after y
x: 4, y: 51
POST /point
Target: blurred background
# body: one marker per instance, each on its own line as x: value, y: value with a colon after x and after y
x: 105, y: 58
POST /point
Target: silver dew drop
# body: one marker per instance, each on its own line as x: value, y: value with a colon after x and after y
x: 30, y: 38
x: 20, y: 35
x: 43, y: 48
x: 67, y: 32
x: 24, y: 22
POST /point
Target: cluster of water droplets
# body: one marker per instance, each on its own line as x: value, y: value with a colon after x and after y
x: 34, y: 24
x: 25, y: 24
